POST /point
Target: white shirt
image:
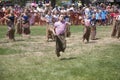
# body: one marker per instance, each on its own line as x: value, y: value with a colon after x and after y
x: 118, y: 17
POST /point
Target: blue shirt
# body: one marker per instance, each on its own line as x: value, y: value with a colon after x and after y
x: 97, y: 16
x: 103, y: 14
x: 25, y: 18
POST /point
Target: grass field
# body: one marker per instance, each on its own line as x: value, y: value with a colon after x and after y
x: 35, y: 59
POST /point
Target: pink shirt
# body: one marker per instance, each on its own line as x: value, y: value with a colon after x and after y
x: 60, y: 27
x: 87, y: 22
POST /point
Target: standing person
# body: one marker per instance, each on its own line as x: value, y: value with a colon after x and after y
x: 67, y: 19
x: 98, y: 17
x: 116, y: 27
x: 49, y: 28
x: 10, y: 18
x: 26, y: 24
x: 19, y: 25
x: 93, y: 26
x: 32, y: 17
x: 47, y: 4
x: 79, y: 3
x: 103, y: 17
x: 87, y: 30
x: 60, y: 28
x: 40, y: 4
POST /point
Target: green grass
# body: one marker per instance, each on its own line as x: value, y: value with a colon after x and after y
x: 76, y: 29
x: 6, y: 51
x: 39, y: 62
x: 99, y: 65
x: 3, y: 31
x: 38, y: 30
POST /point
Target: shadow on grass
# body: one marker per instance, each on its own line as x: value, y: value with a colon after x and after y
x: 8, y: 41
x: 19, y: 40
x: 92, y: 41
x: 97, y: 39
x: 70, y: 58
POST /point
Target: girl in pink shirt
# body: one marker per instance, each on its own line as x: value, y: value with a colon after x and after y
x: 60, y: 29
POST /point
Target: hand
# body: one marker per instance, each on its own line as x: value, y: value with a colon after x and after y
x: 68, y: 23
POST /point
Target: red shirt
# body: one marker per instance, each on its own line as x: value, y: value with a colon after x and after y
x: 114, y: 15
